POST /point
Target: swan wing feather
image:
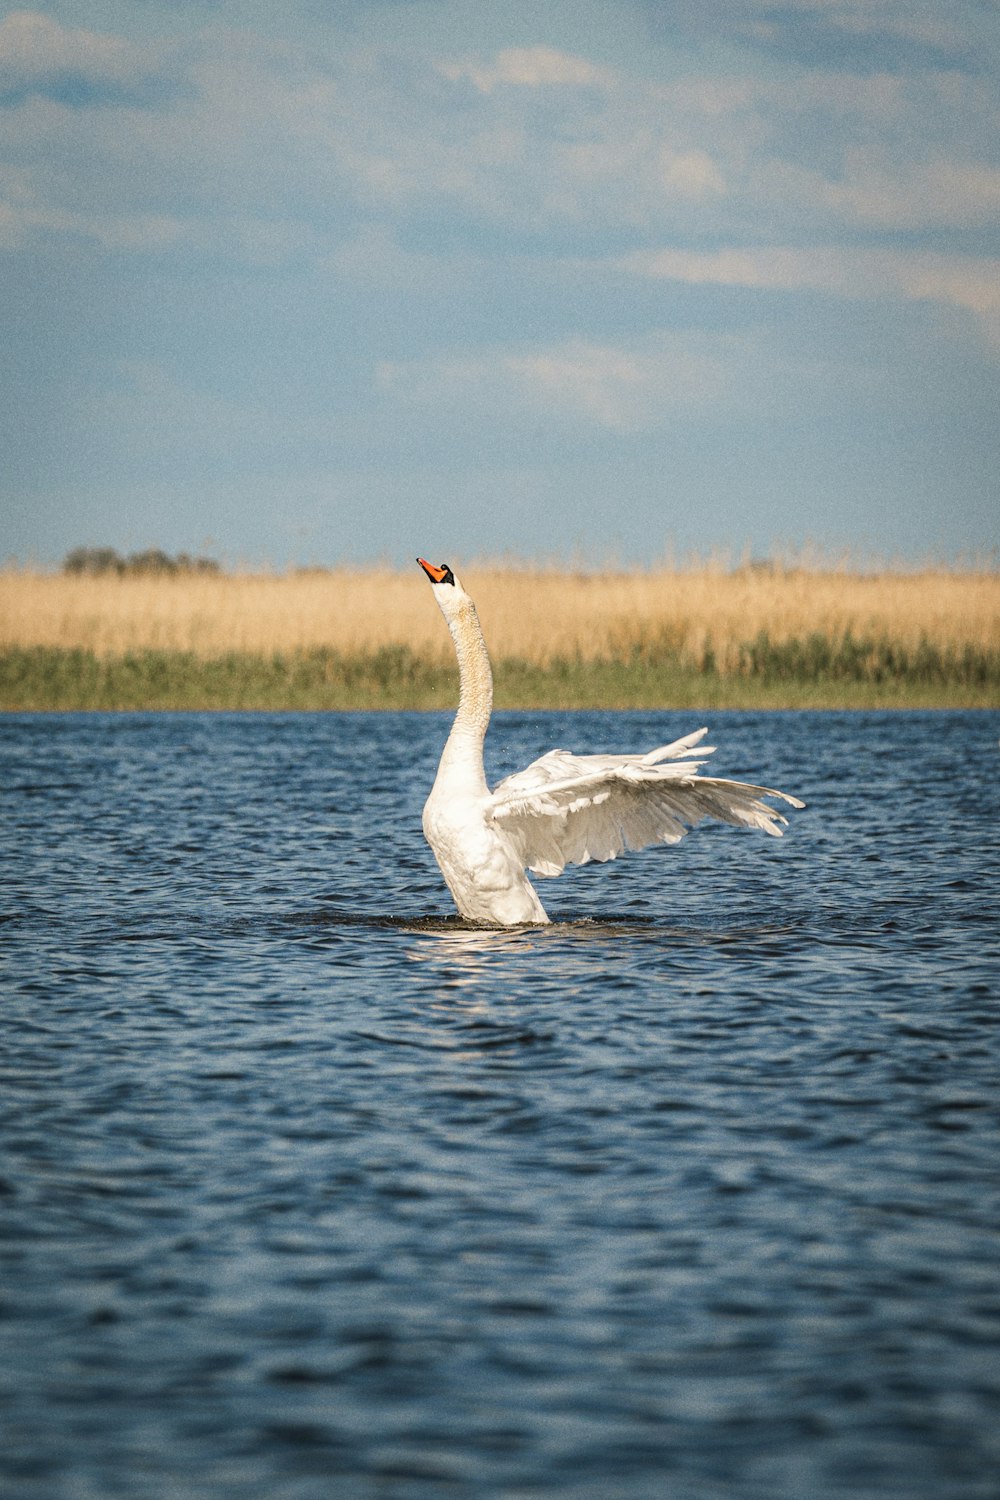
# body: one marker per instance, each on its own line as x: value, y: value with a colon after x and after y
x: 563, y: 765
x: 570, y: 809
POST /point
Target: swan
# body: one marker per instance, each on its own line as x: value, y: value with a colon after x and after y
x: 564, y: 808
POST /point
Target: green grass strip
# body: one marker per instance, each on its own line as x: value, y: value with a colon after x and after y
x: 811, y: 673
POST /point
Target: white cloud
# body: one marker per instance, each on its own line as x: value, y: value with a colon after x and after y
x: 36, y: 51
x: 787, y: 269
x: 20, y: 219
x: 967, y: 282
x: 233, y: 161
x: 690, y: 173
x: 908, y: 20
x: 529, y: 67
x: 253, y: 240
x: 626, y: 157
x: 627, y: 388
x: 815, y: 27
x: 937, y: 192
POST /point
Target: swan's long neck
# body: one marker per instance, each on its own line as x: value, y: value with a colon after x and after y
x: 463, y: 752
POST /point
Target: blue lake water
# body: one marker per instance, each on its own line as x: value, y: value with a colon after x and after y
x: 308, y: 1190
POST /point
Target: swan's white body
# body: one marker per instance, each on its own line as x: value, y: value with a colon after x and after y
x: 563, y: 809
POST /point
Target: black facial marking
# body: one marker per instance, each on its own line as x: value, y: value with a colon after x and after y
x: 449, y: 576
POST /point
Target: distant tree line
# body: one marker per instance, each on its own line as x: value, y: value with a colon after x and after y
x: 102, y: 560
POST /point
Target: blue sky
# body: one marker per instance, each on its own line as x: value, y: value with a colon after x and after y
x: 347, y: 280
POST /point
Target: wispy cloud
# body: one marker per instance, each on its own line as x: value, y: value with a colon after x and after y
x: 529, y: 67
x: 968, y: 282
x: 137, y: 232
x: 899, y: 34
x: 38, y: 55
x: 622, y: 388
x: 938, y: 192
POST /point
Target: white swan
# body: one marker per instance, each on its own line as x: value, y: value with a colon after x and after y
x: 564, y: 809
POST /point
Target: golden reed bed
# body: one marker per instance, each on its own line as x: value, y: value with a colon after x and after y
x: 533, y: 614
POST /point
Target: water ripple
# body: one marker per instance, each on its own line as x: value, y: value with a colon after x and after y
x: 308, y: 1187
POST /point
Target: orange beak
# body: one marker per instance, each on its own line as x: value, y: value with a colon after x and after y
x: 436, y: 575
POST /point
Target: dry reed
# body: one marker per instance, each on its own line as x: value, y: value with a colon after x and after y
x: 535, y: 615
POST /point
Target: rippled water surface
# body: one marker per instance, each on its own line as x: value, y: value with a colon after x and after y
x: 308, y: 1190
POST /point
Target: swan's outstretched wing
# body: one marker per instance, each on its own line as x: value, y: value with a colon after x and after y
x: 568, y: 809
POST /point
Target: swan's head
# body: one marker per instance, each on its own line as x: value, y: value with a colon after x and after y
x: 448, y: 591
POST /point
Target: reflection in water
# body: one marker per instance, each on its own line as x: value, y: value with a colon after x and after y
x: 461, y: 954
